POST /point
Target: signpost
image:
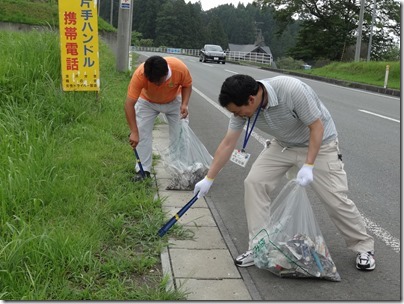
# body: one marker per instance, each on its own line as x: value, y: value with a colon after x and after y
x: 78, y: 29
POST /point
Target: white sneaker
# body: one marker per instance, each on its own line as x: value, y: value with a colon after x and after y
x: 245, y: 260
x: 365, y: 261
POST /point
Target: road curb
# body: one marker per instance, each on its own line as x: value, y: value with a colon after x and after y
x: 167, y: 269
x: 203, y: 267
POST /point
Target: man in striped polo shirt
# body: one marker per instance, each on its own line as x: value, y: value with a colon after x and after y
x: 304, y: 136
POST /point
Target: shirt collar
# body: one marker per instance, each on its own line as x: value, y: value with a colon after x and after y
x: 168, y: 74
x: 272, y: 98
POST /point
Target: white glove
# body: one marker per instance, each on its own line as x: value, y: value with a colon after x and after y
x: 305, y: 175
x: 203, y: 186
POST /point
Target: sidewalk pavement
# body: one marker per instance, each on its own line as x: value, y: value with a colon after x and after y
x: 201, y: 267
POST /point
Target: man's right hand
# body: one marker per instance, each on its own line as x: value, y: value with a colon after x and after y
x: 203, y: 186
x: 133, y: 139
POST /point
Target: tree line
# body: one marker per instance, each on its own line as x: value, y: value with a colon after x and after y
x: 306, y: 30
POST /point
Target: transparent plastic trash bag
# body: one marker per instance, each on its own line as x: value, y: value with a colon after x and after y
x: 292, y: 245
x: 186, y: 159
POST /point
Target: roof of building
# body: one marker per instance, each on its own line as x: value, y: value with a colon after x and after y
x: 250, y: 48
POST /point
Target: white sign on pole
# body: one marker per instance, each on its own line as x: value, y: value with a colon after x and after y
x: 125, y: 4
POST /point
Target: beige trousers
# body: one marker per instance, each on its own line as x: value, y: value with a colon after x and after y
x: 146, y: 113
x: 330, y: 184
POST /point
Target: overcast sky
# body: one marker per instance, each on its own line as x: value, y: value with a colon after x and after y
x: 208, y: 4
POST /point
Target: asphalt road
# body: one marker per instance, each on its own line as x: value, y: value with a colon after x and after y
x: 369, y: 135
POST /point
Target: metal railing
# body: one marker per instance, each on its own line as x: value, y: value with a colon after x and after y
x: 261, y: 58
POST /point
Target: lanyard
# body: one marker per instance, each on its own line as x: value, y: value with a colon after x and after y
x: 248, y: 134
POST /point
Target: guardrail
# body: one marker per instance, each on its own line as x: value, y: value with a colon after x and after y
x: 261, y: 58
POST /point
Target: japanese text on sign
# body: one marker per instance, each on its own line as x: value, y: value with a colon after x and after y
x: 78, y: 27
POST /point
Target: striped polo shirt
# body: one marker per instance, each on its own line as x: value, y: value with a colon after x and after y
x: 292, y: 107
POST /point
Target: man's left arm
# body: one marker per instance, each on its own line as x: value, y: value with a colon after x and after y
x: 185, y: 95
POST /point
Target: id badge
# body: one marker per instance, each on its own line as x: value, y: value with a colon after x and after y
x: 240, y: 157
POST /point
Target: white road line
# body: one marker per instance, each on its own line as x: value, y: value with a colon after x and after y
x: 356, y: 89
x: 334, y: 85
x: 227, y: 113
x: 378, y: 231
x: 331, y: 84
x: 382, y: 234
x: 378, y: 115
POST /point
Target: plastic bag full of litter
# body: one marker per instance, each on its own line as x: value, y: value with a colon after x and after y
x: 186, y: 159
x: 292, y: 244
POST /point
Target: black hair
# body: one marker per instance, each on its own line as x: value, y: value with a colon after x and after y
x: 155, y: 68
x: 236, y: 89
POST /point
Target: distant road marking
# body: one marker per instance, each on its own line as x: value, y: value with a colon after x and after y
x: 384, y: 235
x: 231, y: 72
x: 378, y: 115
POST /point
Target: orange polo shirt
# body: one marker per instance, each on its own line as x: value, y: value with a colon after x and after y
x: 139, y: 86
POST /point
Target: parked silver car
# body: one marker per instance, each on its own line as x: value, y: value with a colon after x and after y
x: 212, y: 52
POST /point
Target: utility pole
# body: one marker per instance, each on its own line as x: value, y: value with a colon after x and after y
x: 111, y: 13
x: 131, y: 23
x: 371, y: 29
x: 359, y: 37
x: 124, y: 22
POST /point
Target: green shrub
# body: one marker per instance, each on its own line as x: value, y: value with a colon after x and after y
x: 288, y: 63
x: 321, y: 62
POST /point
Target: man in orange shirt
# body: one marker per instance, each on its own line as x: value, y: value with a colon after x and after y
x: 159, y: 85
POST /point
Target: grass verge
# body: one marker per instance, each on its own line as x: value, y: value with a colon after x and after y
x: 372, y: 73
x: 72, y: 224
x: 38, y: 12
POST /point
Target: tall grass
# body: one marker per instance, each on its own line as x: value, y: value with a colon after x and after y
x: 72, y: 224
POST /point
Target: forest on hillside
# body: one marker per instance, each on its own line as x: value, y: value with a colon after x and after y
x: 175, y: 23
x: 308, y: 30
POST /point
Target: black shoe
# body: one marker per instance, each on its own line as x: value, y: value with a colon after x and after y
x: 138, y: 176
